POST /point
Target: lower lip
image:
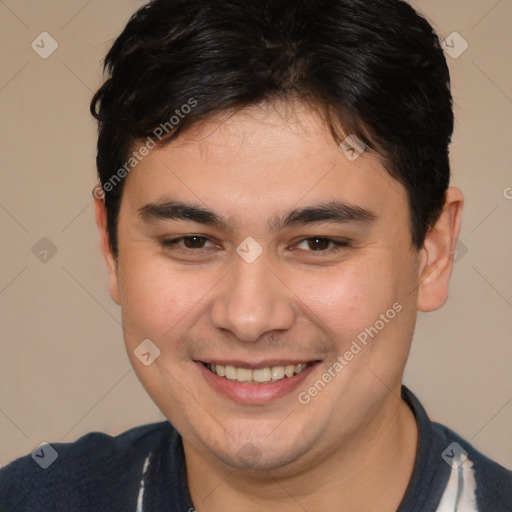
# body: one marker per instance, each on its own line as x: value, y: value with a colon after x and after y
x: 254, y: 393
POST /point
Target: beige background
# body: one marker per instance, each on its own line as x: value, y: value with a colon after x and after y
x: 63, y: 369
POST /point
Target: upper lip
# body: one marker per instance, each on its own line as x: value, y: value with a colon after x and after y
x: 268, y: 363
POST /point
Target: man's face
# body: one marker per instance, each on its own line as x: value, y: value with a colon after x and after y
x: 324, y: 257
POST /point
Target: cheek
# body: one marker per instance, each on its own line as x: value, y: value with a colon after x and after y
x: 350, y: 298
x: 158, y: 301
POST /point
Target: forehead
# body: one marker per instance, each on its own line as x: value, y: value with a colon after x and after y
x: 267, y: 132
x: 260, y: 160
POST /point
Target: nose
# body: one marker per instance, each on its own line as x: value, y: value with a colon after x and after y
x: 252, y: 301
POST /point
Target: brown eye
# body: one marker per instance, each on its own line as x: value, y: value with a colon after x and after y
x: 322, y: 245
x: 319, y: 244
x: 186, y: 242
x: 194, y: 242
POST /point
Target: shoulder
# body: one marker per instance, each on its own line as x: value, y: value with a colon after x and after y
x: 493, y: 482
x: 450, y: 473
x: 97, y: 468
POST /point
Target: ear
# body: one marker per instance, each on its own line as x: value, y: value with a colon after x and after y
x: 438, y: 253
x: 106, y: 248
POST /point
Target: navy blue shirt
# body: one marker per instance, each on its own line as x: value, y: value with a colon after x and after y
x: 143, y: 470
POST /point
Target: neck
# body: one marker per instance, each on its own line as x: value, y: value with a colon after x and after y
x: 373, y: 466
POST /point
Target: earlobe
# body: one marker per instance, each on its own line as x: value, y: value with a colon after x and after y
x: 105, y: 246
x: 437, y: 254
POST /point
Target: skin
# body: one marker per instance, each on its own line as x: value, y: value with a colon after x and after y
x: 354, y: 443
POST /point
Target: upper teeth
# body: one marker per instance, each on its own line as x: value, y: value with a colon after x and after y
x: 268, y: 374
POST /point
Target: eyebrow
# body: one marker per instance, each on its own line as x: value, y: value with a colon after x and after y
x: 339, y: 212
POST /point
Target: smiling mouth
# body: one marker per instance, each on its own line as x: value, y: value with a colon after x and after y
x: 258, y: 375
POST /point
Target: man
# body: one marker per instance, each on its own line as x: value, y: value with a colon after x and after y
x: 274, y: 209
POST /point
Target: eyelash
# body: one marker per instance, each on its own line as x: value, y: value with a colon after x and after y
x: 335, y: 245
